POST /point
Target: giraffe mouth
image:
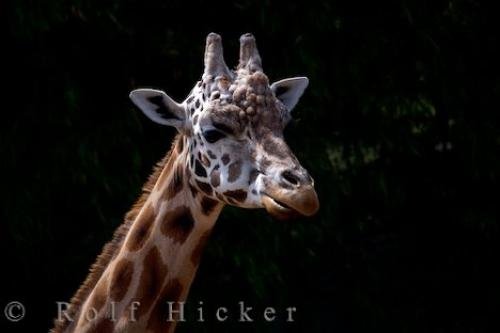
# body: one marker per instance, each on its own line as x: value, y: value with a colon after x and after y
x: 278, y: 209
x: 287, y: 204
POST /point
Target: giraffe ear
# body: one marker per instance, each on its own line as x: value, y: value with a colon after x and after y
x: 159, y: 107
x: 288, y: 91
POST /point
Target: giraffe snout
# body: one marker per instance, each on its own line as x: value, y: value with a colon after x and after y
x: 292, y: 192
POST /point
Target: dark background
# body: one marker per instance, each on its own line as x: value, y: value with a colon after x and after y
x: 399, y: 127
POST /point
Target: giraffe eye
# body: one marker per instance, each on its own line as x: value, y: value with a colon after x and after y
x: 213, y: 135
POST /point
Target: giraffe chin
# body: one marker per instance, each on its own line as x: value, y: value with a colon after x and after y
x: 277, y: 209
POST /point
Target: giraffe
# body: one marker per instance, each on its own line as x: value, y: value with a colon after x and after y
x: 229, y: 150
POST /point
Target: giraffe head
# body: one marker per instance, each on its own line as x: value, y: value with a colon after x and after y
x: 232, y: 124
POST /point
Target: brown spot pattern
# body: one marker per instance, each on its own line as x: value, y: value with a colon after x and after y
x: 114, y: 246
x: 151, y: 281
x: 225, y: 159
x: 120, y: 280
x: 141, y: 229
x: 238, y: 195
x: 211, y: 154
x: 199, y: 170
x: 204, y: 187
x: 234, y: 171
x: 158, y: 319
x: 207, y: 205
x: 178, y: 224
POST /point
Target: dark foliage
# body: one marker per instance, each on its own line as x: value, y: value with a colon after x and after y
x: 399, y: 127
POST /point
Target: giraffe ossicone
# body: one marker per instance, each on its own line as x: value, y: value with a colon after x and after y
x: 230, y: 150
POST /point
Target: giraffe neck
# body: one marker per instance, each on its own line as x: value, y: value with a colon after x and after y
x: 158, y: 258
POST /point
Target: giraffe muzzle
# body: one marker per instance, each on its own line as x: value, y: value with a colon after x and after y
x: 284, y: 204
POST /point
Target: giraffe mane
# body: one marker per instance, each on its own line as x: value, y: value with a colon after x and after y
x: 112, y: 247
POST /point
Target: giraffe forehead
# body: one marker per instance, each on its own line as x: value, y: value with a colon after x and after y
x: 227, y: 84
x: 247, y: 98
x: 261, y: 115
x: 253, y: 95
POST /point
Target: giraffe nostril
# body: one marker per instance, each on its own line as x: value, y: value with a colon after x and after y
x: 290, y: 177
